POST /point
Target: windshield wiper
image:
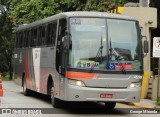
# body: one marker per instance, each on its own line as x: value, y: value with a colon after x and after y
x: 117, y: 57
x: 99, y: 53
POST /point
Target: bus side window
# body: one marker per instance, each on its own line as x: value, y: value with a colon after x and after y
x: 27, y: 38
x: 24, y: 39
x: 31, y: 42
x: 21, y: 40
x: 39, y: 41
x: 51, y: 34
x: 34, y: 37
x: 49, y: 30
x: 43, y: 36
x: 26, y: 35
x: 17, y: 40
x: 54, y: 31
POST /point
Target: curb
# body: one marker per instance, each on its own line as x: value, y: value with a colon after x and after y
x: 143, y: 106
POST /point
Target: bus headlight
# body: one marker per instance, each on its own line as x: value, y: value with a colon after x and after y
x: 134, y: 85
x: 77, y: 83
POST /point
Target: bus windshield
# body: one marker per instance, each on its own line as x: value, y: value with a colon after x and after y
x: 101, y: 43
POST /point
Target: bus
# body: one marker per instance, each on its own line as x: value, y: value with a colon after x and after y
x: 81, y: 56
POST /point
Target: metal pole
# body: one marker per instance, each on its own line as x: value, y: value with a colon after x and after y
x: 158, y: 79
x: 143, y: 3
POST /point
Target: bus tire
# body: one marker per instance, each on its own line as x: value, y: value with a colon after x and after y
x: 56, y: 103
x: 110, y: 105
x: 26, y: 91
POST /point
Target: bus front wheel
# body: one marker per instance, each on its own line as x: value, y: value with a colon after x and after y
x: 110, y: 105
x: 56, y: 103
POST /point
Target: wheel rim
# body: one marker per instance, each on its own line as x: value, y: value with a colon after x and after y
x: 52, y: 92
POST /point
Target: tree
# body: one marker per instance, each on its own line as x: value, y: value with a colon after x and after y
x: 6, y: 38
x: 27, y: 11
x: 16, y: 12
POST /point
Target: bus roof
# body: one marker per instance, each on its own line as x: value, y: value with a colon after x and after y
x: 97, y: 14
x: 75, y: 14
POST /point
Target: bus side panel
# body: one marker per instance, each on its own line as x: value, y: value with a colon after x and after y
x: 36, y: 52
x: 18, y: 65
x: 39, y: 68
x: 29, y: 70
x: 37, y: 64
x: 47, y: 67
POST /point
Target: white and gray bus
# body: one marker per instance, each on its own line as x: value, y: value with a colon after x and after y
x: 81, y: 56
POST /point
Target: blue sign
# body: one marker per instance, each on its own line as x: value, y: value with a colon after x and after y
x: 111, y: 66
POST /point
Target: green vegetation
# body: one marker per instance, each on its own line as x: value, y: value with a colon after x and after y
x: 26, y: 11
x: 6, y: 38
x: 5, y: 77
x: 16, y: 12
x: 157, y: 103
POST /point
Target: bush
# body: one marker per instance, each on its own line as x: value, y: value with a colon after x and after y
x: 5, y: 76
x: 157, y: 102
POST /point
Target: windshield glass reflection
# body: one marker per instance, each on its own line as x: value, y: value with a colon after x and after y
x: 104, y: 44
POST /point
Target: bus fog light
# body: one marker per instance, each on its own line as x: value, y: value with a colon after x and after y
x: 135, y: 84
x: 77, y: 83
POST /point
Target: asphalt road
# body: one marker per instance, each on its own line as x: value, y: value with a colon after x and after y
x: 21, y: 105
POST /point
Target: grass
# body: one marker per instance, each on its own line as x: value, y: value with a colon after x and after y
x: 5, y: 77
x: 157, y: 103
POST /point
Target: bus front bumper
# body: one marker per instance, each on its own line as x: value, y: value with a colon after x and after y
x: 76, y: 93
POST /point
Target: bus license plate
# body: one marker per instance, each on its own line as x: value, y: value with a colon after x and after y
x: 106, y: 95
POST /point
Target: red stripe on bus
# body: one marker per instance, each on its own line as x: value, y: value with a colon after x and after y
x: 71, y: 74
x: 27, y: 71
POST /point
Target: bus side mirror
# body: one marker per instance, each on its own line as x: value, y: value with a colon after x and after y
x: 145, y: 46
x: 67, y: 40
